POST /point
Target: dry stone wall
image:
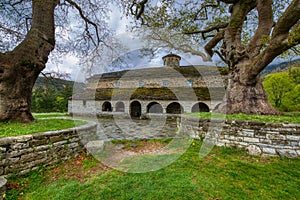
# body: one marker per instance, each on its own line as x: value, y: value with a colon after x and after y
x: 23, y: 154
x: 258, y: 138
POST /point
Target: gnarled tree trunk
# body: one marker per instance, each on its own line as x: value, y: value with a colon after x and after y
x: 245, y: 93
x: 245, y: 97
x: 20, y: 68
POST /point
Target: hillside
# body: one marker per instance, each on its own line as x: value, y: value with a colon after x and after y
x: 279, y: 67
x: 56, y: 83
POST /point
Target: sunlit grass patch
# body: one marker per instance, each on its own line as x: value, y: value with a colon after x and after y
x: 8, y: 129
x: 285, y: 118
x: 46, y: 115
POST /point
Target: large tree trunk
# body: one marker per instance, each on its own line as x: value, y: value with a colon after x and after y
x: 245, y: 96
x: 16, y: 85
x: 20, y: 68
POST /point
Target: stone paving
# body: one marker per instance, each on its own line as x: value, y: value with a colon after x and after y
x: 135, y: 129
x: 127, y: 129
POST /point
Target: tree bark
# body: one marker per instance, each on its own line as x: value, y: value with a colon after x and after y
x: 20, y: 68
x: 245, y: 93
x: 246, y: 97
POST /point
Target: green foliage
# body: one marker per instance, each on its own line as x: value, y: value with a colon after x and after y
x: 283, y: 89
x: 226, y: 173
x: 50, y: 99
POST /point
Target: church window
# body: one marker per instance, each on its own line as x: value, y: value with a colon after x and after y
x: 164, y: 83
x: 189, y: 83
x: 140, y: 84
x: 117, y: 84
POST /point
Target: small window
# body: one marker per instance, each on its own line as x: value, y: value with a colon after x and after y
x: 164, y: 83
x: 84, y: 103
x: 117, y: 84
x: 141, y: 84
x: 189, y: 83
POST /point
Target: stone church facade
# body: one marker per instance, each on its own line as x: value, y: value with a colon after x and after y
x: 170, y: 89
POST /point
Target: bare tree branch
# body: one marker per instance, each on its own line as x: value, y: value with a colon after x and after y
x: 207, y: 30
x: 87, y: 22
x: 204, y: 7
x: 139, y: 8
x: 229, y: 1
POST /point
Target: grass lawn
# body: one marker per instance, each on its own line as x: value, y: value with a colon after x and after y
x: 51, y: 114
x: 286, y: 117
x: 8, y: 129
x: 226, y: 173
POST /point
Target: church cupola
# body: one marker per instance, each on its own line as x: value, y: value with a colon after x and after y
x: 171, y: 60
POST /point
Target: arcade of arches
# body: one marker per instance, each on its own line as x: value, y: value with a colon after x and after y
x: 135, y: 108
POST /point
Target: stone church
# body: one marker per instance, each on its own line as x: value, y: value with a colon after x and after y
x: 169, y: 89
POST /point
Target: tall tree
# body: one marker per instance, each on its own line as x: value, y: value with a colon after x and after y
x: 277, y: 87
x: 28, y: 30
x: 246, y: 34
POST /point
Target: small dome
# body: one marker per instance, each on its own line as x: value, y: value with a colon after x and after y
x: 171, y: 60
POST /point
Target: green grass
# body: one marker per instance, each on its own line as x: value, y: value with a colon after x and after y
x: 8, y: 129
x: 225, y: 173
x: 286, y: 117
x: 47, y: 115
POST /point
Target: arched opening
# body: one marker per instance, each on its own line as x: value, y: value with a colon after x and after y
x: 200, y: 107
x: 106, y: 107
x: 135, y: 109
x: 120, y: 107
x: 154, y: 107
x: 174, y: 108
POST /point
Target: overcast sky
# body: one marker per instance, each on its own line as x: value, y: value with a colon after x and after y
x: 70, y: 64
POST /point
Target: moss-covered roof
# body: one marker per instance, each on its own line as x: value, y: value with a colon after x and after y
x: 150, y: 94
x: 160, y: 72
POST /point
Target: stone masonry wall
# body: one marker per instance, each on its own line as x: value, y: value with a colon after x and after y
x: 23, y: 154
x: 258, y: 138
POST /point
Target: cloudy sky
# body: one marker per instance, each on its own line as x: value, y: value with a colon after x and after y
x: 70, y: 64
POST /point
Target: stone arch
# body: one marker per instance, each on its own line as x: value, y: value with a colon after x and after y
x: 135, y: 109
x: 154, y: 107
x: 106, y: 107
x: 174, y: 108
x: 200, y: 107
x: 120, y: 107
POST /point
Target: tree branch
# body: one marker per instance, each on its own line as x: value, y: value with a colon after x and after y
x: 288, y: 19
x: 87, y: 22
x: 204, y: 7
x: 139, y: 8
x: 213, y: 42
x: 233, y: 49
x: 229, y: 1
x: 282, y: 38
x: 207, y: 30
x: 265, y: 24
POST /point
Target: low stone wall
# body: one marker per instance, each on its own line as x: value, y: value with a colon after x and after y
x: 23, y: 154
x: 258, y: 138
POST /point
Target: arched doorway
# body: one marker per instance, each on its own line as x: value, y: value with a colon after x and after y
x: 175, y: 108
x: 120, y: 107
x: 135, y: 109
x: 106, y: 107
x: 154, y: 107
x: 200, y: 107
